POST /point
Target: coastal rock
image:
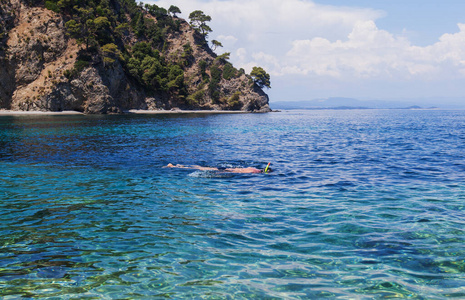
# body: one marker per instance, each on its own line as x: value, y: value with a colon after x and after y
x: 7, y: 66
x: 7, y: 83
x: 94, y: 94
x: 44, y: 69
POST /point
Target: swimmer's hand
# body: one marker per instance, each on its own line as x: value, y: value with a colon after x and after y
x: 170, y: 165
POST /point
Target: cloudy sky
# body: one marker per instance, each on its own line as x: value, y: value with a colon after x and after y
x: 365, y: 49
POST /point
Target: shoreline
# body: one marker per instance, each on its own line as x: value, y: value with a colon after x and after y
x: 131, y: 111
x: 179, y: 111
x: 37, y: 113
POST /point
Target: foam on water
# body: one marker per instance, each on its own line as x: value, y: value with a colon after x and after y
x: 210, y: 174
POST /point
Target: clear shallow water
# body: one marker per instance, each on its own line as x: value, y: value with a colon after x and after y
x: 362, y: 204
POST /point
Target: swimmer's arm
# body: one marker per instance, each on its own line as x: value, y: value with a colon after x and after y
x: 178, y: 166
x: 170, y: 165
x: 191, y: 167
x: 204, y: 168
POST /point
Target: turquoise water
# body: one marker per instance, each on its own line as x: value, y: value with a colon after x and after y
x: 361, y: 205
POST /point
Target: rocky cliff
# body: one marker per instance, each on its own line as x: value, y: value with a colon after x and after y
x: 112, y: 56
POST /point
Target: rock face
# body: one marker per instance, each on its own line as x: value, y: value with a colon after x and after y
x: 7, y: 67
x: 41, y: 69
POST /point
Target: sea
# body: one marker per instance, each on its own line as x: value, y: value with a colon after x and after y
x: 361, y: 204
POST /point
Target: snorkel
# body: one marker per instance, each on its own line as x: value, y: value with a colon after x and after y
x: 266, y: 169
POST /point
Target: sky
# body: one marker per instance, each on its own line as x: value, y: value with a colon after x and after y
x: 364, y: 49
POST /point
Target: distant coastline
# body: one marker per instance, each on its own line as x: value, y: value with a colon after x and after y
x: 359, y: 108
x: 340, y: 103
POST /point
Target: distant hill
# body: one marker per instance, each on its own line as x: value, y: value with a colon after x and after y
x: 320, y: 104
x: 333, y: 103
x: 351, y: 103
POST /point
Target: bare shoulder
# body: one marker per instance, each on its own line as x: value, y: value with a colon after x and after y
x: 244, y: 170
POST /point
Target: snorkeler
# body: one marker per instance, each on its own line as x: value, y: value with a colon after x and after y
x: 229, y: 170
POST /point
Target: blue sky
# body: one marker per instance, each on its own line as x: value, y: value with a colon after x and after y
x: 425, y: 21
x: 363, y: 49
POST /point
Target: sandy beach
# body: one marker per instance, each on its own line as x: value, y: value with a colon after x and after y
x: 26, y: 113
x: 132, y: 111
x: 178, y: 111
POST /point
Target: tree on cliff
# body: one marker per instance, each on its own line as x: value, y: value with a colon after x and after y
x: 88, y: 29
x: 173, y: 10
x: 216, y: 44
x: 198, y: 22
x: 110, y: 54
x: 81, y: 27
x: 260, y: 77
x: 155, y: 10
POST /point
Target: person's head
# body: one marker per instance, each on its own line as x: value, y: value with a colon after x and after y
x: 266, y: 171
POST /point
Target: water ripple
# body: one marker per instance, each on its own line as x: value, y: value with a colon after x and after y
x: 361, y: 205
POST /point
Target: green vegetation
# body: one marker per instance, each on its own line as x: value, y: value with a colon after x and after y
x: 135, y: 37
x: 90, y: 28
x: 213, y: 89
x: 203, y: 69
x: 234, y: 102
x: 80, y: 64
x: 52, y: 6
x: 101, y: 28
x: 229, y: 71
x: 260, y: 77
x: 196, y: 98
x: 216, y: 44
x: 187, y: 56
x: 199, y: 22
x: 173, y: 10
x: 224, y: 57
x: 110, y: 54
x: 154, y: 72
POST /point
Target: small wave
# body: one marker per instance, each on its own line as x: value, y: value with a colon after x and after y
x: 210, y: 174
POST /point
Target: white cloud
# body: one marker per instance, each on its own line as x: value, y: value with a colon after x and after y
x: 366, y: 52
x: 240, y: 55
x: 227, y: 39
x: 324, y: 45
x: 271, y: 25
x: 370, y: 52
